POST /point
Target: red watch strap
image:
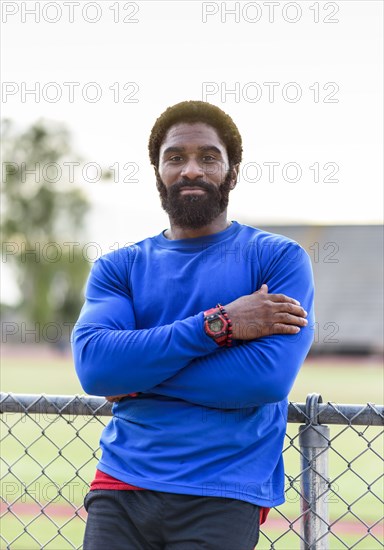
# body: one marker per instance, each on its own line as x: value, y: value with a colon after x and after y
x: 219, y: 309
x: 229, y: 333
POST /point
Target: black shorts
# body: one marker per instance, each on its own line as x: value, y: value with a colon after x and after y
x: 153, y: 520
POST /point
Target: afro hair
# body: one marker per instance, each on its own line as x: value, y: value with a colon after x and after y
x: 196, y: 111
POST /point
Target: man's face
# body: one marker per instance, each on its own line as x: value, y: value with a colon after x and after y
x: 194, y: 180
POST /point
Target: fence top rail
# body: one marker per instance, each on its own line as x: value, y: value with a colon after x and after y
x: 368, y: 414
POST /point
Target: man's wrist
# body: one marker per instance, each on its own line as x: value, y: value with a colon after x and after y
x: 218, y: 326
x: 229, y: 324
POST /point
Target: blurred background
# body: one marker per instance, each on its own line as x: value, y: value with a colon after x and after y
x: 83, y: 83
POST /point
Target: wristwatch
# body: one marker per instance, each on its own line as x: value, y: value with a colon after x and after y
x: 216, y: 325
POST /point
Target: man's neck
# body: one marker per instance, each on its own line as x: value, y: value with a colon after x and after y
x: 176, y: 232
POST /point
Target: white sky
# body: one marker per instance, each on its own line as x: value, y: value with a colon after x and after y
x: 169, y: 53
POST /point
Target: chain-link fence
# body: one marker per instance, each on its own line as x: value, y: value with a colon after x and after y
x: 334, y: 475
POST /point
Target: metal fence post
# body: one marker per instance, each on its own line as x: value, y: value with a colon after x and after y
x: 314, y: 443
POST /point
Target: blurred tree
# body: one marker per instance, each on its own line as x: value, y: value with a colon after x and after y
x: 43, y: 215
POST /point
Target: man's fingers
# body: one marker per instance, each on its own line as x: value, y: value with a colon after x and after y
x: 112, y: 398
x: 115, y: 398
x: 293, y: 309
x: 279, y: 328
x: 262, y: 290
x: 288, y: 319
x: 282, y: 298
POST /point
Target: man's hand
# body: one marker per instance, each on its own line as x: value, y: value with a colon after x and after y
x: 116, y: 398
x: 262, y: 314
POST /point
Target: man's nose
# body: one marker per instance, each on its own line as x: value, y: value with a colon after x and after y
x: 192, y: 170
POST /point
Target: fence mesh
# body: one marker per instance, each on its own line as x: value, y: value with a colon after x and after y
x: 49, y: 452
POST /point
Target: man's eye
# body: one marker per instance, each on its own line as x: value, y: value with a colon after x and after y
x: 208, y: 158
x: 175, y: 158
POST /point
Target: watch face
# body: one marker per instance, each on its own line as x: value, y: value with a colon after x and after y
x: 216, y: 325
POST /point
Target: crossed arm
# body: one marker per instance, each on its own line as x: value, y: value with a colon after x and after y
x: 258, y: 371
x: 111, y: 358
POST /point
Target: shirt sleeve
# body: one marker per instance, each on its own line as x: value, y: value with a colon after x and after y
x: 111, y: 356
x: 258, y: 371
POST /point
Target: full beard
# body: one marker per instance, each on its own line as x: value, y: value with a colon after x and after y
x: 192, y: 211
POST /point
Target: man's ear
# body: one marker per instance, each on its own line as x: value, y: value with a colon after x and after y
x: 235, y: 174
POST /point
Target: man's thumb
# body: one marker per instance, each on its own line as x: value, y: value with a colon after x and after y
x: 264, y: 289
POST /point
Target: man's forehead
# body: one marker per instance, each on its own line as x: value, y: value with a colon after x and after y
x: 183, y: 133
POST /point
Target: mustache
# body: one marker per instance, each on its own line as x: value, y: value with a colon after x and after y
x: 182, y: 184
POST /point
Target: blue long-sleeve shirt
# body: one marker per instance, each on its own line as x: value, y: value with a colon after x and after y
x: 208, y: 420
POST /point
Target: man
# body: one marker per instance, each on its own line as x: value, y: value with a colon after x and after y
x: 197, y: 335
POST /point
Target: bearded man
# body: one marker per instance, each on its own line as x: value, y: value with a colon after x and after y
x: 197, y: 335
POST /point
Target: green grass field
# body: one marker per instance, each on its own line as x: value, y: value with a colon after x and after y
x: 68, y: 463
